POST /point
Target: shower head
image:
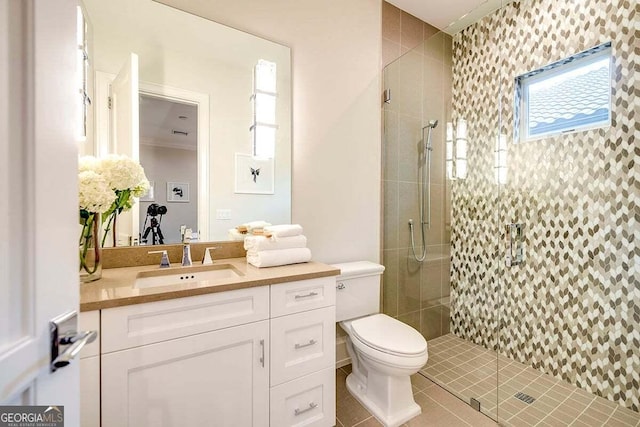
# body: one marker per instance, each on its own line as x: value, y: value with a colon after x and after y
x: 432, y: 124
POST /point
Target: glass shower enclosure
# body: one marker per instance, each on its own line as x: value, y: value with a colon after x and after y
x: 425, y: 293
x: 528, y: 292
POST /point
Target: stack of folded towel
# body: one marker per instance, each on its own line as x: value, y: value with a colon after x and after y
x: 279, y: 245
x: 249, y: 228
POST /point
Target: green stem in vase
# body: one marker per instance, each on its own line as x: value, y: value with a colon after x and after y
x: 89, y: 229
x: 115, y: 218
x: 96, y: 248
x: 122, y: 203
x: 111, y: 217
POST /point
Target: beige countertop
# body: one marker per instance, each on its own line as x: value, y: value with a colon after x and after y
x: 116, y: 287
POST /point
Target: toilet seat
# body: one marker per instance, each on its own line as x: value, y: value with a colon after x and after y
x: 388, y: 335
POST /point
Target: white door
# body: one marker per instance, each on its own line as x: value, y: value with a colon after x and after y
x: 39, y: 206
x: 218, y: 379
x: 125, y: 133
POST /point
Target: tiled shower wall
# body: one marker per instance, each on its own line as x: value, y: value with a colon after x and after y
x: 573, y: 308
x: 418, y: 72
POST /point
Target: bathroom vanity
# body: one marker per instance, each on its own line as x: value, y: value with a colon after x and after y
x: 256, y: 348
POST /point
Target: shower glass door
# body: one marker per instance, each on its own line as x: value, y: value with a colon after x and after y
x: 438, y: 179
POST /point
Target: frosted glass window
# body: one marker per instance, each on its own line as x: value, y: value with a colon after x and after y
x: 572, y: 95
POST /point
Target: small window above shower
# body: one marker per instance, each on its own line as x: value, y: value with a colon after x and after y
x: 567, y: 96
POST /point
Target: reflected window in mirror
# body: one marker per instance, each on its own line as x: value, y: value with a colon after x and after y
x: 264, y: 109
x: 83, y: 74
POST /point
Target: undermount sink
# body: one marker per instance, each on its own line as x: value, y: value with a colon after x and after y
x: 201, y: 275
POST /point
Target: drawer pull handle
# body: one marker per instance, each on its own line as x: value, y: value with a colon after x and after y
x: 312, y: 405
x: 299, y: 346
x: 341, y: 286
x: 310, y: 294
x: 262, y: 356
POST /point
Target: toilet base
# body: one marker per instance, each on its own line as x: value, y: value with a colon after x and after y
x: 400, y: 415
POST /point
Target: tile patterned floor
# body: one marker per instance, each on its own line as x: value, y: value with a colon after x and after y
x: 439, y: 408
x: 469, y: 370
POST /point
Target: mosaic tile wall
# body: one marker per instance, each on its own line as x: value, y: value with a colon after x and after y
x: 573, y: 308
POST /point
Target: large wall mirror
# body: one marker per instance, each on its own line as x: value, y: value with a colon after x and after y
x: 178, y: 92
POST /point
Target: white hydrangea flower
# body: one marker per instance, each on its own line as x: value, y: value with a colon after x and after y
x: 88, y: 163
x: 95, y: 194
x: 141, y: 189
x: 121, y: 172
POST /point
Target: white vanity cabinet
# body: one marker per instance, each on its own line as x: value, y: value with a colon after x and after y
x: 199, y: 360
x: 90, y: 371
x: 251, y: 357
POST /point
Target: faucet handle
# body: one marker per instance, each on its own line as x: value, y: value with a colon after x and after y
x: 207, y: 260
x: 186, y: 237
x: 164, y: 262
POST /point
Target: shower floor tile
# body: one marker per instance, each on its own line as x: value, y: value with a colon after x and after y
x: 468, y: 370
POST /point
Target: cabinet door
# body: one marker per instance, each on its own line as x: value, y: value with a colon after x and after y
x: 90, y: 371
x: 218, y: 378
x: 90, y: 391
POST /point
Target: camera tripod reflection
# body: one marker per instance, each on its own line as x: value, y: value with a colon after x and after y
x: 153, y: 211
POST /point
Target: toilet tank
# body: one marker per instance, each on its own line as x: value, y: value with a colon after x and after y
x: 357, y: 289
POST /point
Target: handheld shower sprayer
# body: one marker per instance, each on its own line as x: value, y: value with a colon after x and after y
x: 424, y: 192
x: 432, y: 125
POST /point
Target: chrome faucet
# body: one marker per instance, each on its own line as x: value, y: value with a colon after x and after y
x: 207, y: 259
x: 186, y: 249
x: 164, y: 262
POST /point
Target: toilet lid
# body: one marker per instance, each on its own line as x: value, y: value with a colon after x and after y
x: 389, y: 335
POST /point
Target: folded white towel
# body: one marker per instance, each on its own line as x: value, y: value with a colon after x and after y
x: 279, y: 257
x: 263, y: 243
x: 256, y: 224
x: 284, y: 230
x: 235, y: 234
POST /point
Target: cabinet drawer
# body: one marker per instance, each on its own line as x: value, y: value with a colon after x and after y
x: 141, y: 324
x: 302, y: 343
x: 294, y: 297
x: 90, y: 321
x: 306, y: 401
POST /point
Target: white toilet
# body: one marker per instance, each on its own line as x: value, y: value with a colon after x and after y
x: 384, y: 351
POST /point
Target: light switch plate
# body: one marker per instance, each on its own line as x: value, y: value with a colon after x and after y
x: 223, y: 214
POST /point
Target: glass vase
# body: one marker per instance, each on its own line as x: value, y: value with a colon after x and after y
x: 90, y: 248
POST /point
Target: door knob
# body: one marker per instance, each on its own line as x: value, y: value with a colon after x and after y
x: 66, y: 341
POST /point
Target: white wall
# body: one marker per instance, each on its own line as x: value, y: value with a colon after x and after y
x: 336, y: 113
